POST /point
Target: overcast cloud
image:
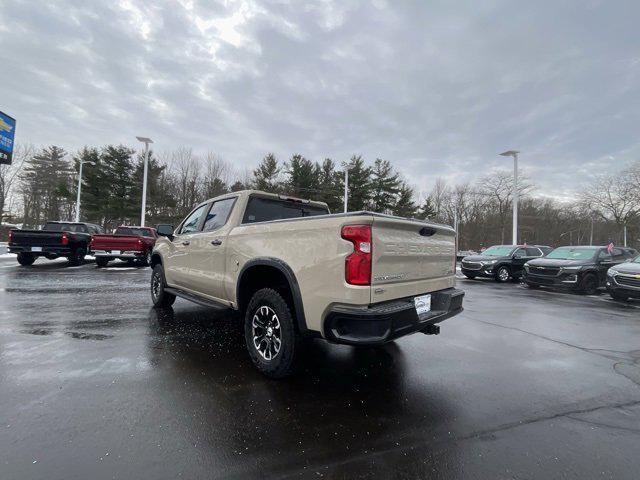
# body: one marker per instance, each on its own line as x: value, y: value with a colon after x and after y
x: 438, y: 88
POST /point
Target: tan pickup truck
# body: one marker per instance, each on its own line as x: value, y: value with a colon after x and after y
x: 293, y: 270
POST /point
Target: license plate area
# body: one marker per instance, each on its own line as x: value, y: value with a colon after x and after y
x: 422, y: 304
x: 115, y: 252
x: 36, y: 249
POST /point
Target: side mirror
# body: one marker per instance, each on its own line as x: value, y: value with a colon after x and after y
x: 165, y: 230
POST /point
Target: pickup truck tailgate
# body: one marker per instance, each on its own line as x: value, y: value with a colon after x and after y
x: 410, y: 258
x: 116, y: 242
x: 36, y: 238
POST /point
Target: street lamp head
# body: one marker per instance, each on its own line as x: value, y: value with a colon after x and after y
x: 510, y: 153
x: 144, y: 140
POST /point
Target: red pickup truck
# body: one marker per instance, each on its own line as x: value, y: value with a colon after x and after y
x: 127, y: 243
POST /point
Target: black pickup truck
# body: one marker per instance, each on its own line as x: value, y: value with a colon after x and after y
x: 56, y: 239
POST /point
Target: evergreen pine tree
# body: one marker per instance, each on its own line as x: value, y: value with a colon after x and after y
x: 385, y: 185
x: 303, y: 177
x: 405, y: 206
x: 329, y: 185
x: 120, y: 189
x: 427, y: 209
x: 46, y: 187
x: 265, y: 177
x: 359, y: 184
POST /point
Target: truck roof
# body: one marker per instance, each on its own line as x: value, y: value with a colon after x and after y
x: 275, y: 196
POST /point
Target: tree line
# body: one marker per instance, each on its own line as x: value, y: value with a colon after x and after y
x: 42, y: 183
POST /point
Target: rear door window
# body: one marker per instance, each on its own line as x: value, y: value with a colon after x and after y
x: 533, y: 252
x: 267, y: 209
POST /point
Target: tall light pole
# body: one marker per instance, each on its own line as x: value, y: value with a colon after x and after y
x: 514, y: 154
x: 80, y: 187
x: 346, y: 186
x: 146, y: 142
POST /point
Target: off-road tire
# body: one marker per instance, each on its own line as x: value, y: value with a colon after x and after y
x: 503, y: 274
x: 159, y: 297
x: 284, y: 361
x: 589, y: 284
x: 146, y: 261
x: 25, y: 259
x: 102, y: 261
x: 77, y: 256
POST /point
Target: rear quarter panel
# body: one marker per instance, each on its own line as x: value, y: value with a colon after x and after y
x: 314, y: 250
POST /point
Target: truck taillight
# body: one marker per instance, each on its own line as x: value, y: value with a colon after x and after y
x: 65, y: 239
x: 357, y: 267
x: 10, y: 236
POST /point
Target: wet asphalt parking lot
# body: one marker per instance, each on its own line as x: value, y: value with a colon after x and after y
x: 96, y: 384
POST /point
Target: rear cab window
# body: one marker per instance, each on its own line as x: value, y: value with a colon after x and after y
x: 267, y: 209
x: 65, y: 227
x: 142, y: 232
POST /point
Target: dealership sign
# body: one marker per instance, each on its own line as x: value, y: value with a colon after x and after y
x: 7, y: 132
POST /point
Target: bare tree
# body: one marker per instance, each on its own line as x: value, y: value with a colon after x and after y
x: 614, y: 196
x: 498, y: 187
x: 9, y: 175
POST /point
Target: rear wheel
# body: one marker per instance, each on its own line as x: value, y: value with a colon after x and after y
x: 589, y: 284
x: 159, y: 296
x: 270, y: 334
x: 503, y: 274
x: 147, y: 259
x: 102, y: 261
x: 77, y: 256
x: 25, y: 259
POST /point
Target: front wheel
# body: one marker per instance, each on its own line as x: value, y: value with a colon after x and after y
x: 25, y: 259
x: 589, y: 284
x: 503, y: 274
x: 159, y: 296
x: 270, y: 334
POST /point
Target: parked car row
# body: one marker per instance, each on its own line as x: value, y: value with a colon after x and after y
x: 582, y: 269
x: 76, y: 240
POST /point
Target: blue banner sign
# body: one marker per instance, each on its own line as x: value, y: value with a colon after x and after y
x: 7, y: 133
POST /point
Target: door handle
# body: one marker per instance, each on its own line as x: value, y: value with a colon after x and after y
x: 216, y: 242
x: 186, y: 242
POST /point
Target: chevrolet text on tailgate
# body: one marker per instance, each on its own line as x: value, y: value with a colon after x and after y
x: 295, y: 271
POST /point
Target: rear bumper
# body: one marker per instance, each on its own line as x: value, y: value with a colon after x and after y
x: 123, y: 254
x: 380, y: 323
x: 46, y: 250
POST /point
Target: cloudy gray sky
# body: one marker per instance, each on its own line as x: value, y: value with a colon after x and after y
x: 438, y: 88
